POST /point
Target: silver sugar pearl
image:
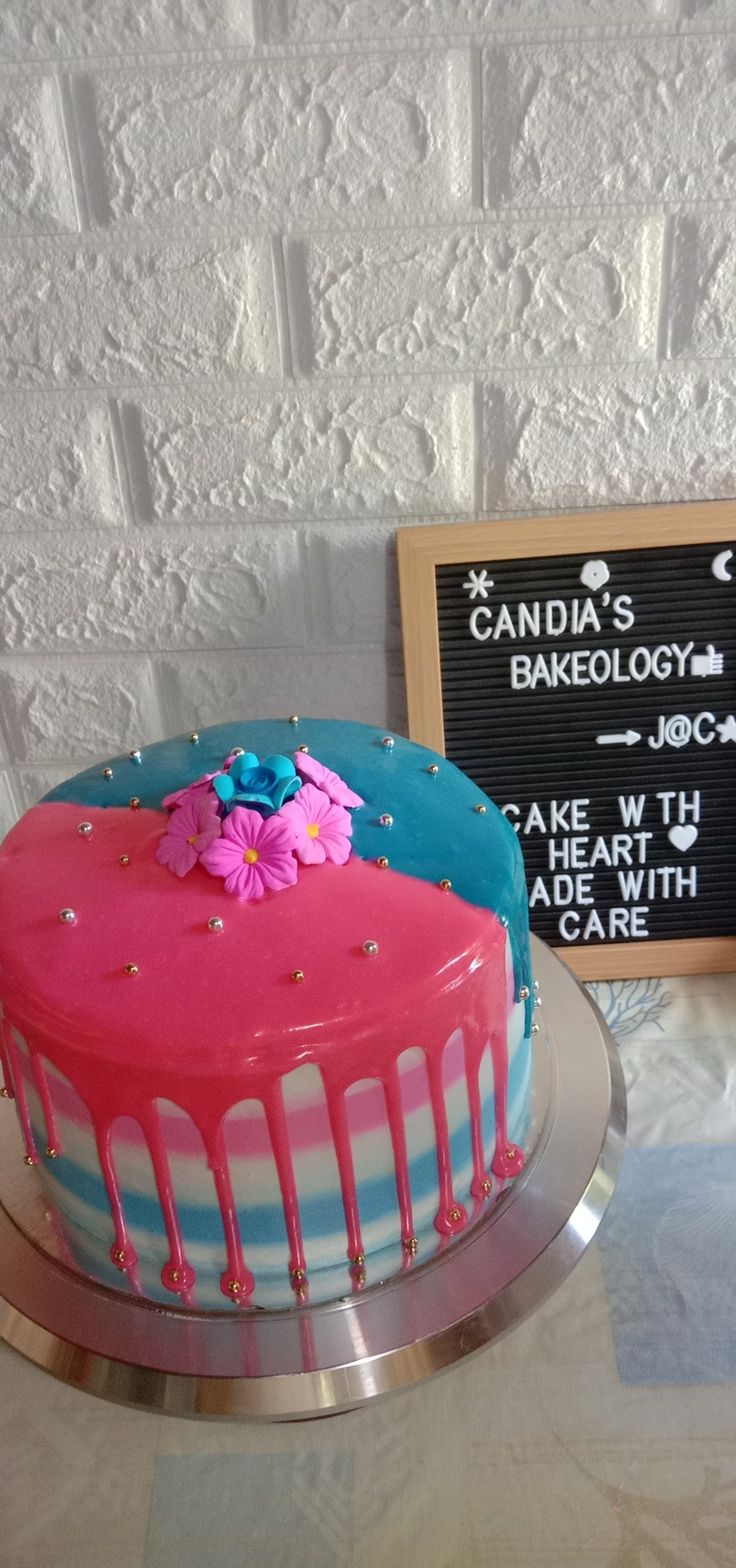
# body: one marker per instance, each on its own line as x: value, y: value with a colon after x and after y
x: 84, y: 829
x: 370, y: 949
x: 535, y: 1028
x: 388, y: 742
x: 536, y: 985
x: 215, y: 923
x: 194, y: 738
x: 237, y: 751
x: 524, y: 993
x: 135, y: 757
x: 107, y: 773
x: 386, y: 820
x: 293, y: 718
x: 433, y: 769
x: 67, y: 917
x: 537, y: 1001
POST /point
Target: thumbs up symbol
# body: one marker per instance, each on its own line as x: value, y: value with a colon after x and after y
x: 708, y: 663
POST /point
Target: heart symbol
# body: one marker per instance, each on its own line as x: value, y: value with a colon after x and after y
x: 683, y: 835
x: 594, y: 575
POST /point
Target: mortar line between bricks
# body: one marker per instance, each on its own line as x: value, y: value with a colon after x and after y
x: 120, y: 460
x: 665, y: 282
x: 261, y: 52
x: 281, y: 298
x: 72, y: 151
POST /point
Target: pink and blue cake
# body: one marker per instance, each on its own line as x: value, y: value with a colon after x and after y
x: 267, y: 1009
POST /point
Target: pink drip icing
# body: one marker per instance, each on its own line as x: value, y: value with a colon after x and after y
x: 451, y: 1216
x: 343, y: 1152
x: 177, y: 1275
x: 42, y: 1089
x: 19, y: 1088
x: 6, y: 1085
x: 237, y: 1281
x: 122, y: 1252
x: 395, y: 1119
x: 278, y: 1132
x: 508, y: 1159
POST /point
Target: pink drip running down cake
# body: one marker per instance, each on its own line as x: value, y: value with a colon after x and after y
x: 267, y: 1009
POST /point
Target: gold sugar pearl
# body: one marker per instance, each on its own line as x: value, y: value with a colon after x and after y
x: 123, y: 860
x: 4, y: 1093
x: 130, y: 969
x: 234, y: 1287
x: 445, y: 884
x: 485, y: 1186
x: 481, y: 810
x: 174, y: 1276
x: 28, y: 1159
x: 454, y: 1215
x: 194, y: 738
x: 118, y: 1256
x: 382, y: 861
x: 51, y: 1152
x: 297, y: 976
x: 135, y: 802
x: 84, y: 829
x: 298, y: 1275
x: 107, y: 773
x: 358, y: 1260
x: 411, y: 1245
x: 433, y: 769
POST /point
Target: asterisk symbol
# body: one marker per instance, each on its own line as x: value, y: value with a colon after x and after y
x: 727, y: 730
x: 478, y: 583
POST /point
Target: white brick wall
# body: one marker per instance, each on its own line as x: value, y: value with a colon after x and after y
x: 280, y: 274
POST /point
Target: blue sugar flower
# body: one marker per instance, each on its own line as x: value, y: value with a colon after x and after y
x: 265, y: 784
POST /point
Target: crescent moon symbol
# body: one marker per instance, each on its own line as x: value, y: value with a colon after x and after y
x: 719, y: 566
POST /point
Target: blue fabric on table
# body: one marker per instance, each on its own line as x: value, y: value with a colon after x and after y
x: 669, y: 1254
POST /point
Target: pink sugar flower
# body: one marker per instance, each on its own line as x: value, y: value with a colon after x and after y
x: 191, y: 828
x: 254, y: 853
x: 316, y: 773
x: 190, y: 791
x: 322, y: 831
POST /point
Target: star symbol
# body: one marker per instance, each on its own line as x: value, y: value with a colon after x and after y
x: 727, y: 730
x: 478, y: 583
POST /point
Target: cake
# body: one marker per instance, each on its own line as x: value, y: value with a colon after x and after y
x: 266, y: 1010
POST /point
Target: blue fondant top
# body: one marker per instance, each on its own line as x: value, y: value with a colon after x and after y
x: 436, y: 831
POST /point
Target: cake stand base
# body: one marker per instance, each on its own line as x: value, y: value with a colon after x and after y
x: 317, y: 1360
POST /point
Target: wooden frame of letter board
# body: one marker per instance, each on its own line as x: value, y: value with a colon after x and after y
x: 422, y: 549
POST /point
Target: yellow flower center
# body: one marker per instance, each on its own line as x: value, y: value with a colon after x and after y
x: 193, y: 839
x: 313, y: 829
x: 251, y: 856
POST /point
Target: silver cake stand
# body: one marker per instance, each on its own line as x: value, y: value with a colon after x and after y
x: 317, y: 1360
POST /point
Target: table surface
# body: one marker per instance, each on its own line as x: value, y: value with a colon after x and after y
x: 599, y: 1434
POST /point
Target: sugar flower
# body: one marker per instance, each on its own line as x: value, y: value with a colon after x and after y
x: 189, y: 792
x: 253, y: 854
x: 316, y: 773
x: 322, y: 831
x: 191, y: 828
x: 265, y: 784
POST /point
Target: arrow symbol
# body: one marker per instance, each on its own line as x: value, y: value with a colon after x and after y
x: 627, y: 738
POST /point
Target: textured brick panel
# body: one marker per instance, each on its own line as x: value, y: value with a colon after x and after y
x: 220, y: 590
x: 77, y: 707
x: 354, y: 585
x: 703, y: 288
x: 31, y: 784
x: 365, y: 686
x: 35, y: 186
x: 56, y: 28
x: 293, y: 20
x: 648, y: 119
x: 329, y: 138
x: 587, y: 440
x: 56, y: 463
x: 8, y: 809
x: 376, y: 448
x: 477, y: 297
x: 81, y: 315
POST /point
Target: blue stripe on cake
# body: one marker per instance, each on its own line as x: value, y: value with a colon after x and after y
x: 321, y: 1215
